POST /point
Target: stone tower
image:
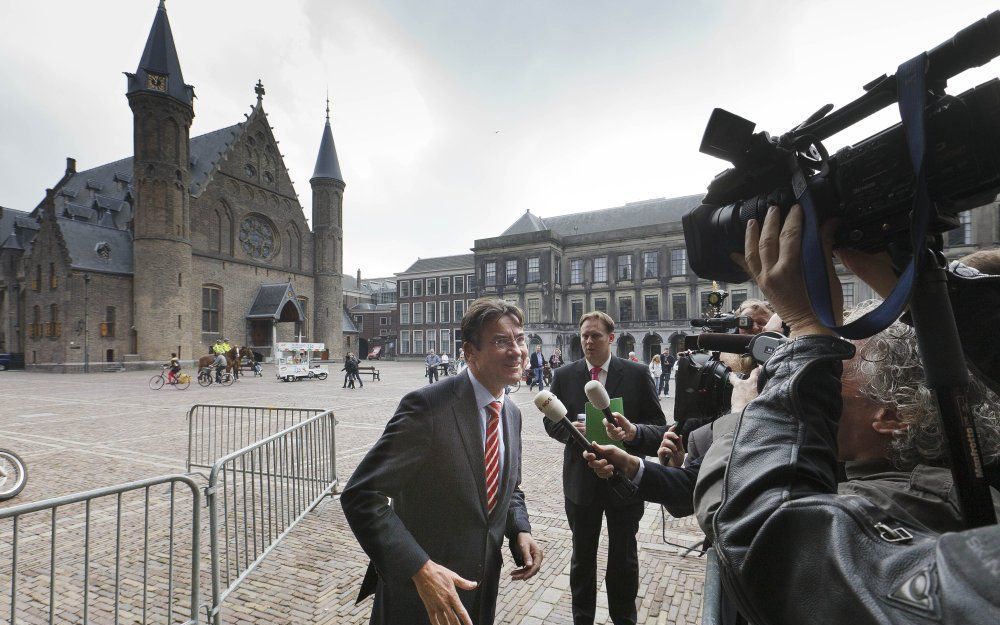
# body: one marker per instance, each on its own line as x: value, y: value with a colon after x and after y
x: 162, y: 110
x: 328, y: 240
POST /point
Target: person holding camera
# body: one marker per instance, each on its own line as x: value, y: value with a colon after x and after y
x: 781, y: 529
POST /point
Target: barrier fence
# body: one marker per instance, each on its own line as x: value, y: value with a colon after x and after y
x: 257, y: 494
x: 112, y: 552
x: 214, y: 431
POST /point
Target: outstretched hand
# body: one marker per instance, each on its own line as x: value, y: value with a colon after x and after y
x: 437, y: 586
x: 671, y: 452
x: 623, y: 430
x: 611, y: 458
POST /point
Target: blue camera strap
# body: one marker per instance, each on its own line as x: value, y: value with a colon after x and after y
x: 911, y: 90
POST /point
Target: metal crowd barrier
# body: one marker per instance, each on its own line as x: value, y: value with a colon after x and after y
x: 78, y: 578
x: 257, y: 494
x: 214, y: 431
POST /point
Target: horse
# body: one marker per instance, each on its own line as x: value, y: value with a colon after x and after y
x: 232, y: 362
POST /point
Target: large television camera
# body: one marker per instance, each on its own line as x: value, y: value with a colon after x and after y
x: 870, y: 185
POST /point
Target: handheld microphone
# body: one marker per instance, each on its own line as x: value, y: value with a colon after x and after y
x: 555, y: 411
x: 598, y: 396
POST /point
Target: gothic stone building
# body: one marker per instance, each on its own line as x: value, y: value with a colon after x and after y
x: 186, y: 241
x: 631, y: 262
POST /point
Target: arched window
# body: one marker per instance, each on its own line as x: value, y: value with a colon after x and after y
x: 211, y: 309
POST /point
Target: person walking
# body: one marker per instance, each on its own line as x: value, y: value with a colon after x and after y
x: 444, y: 363
x: 432, y: 361
x: 667, y: 361
x: 537, y: 369
x: 655, y: 368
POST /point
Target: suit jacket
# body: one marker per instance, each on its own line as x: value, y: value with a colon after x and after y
x: 626, y: 379
x: 537, y: 360
x: 429, y: 461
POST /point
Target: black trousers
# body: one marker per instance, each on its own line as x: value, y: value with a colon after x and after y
x: 623, y: 560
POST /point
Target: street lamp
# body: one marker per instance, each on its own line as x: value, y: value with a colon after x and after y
x: 86, y: 329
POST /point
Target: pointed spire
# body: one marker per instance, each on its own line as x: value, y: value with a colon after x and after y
x: 259, y: 90
x: 327, y: 165
x: 159, y: 68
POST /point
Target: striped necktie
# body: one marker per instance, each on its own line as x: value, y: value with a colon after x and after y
x: 492, y: 456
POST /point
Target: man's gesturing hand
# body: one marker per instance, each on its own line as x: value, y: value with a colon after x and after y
x: 613, y: 458
x: 436, y: 586
x: 531, y: 555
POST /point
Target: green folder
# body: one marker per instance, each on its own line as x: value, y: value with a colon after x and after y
x: 595, y: 423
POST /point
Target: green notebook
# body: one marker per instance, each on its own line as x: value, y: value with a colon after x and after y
x: 595, y: 423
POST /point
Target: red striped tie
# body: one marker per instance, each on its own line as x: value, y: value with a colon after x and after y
x: 492, y: 456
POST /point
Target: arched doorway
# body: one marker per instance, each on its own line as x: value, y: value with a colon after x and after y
x: 651, y: 346
x: 533, y: 341
x: 575, y: 350
x: 362, y: 348
x: 626, y: 344
x: 676, y: 342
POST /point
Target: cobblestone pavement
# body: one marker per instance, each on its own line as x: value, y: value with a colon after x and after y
x: 79, y: 432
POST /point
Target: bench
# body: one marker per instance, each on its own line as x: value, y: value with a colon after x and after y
x: 372, y: 371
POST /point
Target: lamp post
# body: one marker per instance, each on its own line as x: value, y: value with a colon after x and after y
x: 86, y: 327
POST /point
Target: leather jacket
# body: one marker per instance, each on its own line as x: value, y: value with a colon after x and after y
x: 793, y: 551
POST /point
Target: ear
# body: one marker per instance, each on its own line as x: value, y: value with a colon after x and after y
x: 887, y: 422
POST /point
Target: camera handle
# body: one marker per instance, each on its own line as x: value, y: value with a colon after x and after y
x: 923, y: 285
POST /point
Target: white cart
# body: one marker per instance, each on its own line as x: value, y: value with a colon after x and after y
x: 295, y: 361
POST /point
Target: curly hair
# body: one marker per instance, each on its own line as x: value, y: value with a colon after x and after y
x: 890, y: 373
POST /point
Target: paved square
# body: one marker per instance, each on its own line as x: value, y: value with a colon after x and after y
x: 79, y: 432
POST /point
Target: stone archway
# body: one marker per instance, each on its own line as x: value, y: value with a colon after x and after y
x: 575, y: 349
x: 651, y: 346
x: 676, y: 342
x: 626, y: 344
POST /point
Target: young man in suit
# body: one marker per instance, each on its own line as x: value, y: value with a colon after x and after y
x: 450, y: 459
x: 588, y: 498
x: 537, y: 368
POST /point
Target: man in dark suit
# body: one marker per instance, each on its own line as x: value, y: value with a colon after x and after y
x: 588, y: 498
x: 450, y: 460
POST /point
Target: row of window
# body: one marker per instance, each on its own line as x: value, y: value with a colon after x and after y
x: 437, y: 286
x: 36, y: 282
x: 432, y: 312
x: 421, y: 342
x: 625, y: 269
x: 359, y: 323
x: 53, y: 327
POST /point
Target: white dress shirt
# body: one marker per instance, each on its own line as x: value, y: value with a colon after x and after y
x: 483, y: 399
x: 602, y: 377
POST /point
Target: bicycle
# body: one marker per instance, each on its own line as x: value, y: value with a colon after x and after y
x: 206, y: 377
x: 181, y: 381
x: 13, y: 474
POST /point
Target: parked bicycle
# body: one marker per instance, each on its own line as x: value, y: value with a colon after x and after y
x: 206, y: 377
x: 13, y: 474
x: 180, y: 382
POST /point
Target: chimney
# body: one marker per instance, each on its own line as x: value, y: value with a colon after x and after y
x: 359, y: 277
x: 70, y: 166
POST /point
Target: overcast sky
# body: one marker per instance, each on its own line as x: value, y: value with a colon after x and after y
x: 452, y: 118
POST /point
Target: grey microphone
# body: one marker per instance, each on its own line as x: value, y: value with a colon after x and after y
x: 598, y: 396
x: 555, y: 411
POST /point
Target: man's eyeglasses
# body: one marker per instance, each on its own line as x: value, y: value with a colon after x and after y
x: 505, y: 343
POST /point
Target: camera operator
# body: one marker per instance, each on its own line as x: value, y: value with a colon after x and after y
x: 781, y: 530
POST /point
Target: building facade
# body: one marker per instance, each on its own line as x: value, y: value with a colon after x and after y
x: 631, y: 262
x: 189, y: 240
x: 433, y: 295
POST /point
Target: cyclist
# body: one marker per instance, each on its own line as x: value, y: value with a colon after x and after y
x: 220, y: 365
x: 175, y: 368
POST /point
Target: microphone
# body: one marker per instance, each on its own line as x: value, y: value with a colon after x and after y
x: 555, y: 411
x: 598, y: 396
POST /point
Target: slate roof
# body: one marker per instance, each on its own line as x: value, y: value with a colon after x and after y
x: 12, y: 236
x: 632, y: 215
x: 442, y: 263
x: 160, y: 57
x: 349, y: 327
x: 327, y: 165
x: 271, y: 299
x: 368, y: 285
x: 366, y: 307
x: 97, y: 248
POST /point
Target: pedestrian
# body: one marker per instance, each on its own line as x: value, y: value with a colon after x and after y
x: 537, y: 369
x: 667, y: 361
x: 431, y: 361
x: 655, y: 368
x: 633, y: 357
x: 556, y: 359
x: 444, y: 363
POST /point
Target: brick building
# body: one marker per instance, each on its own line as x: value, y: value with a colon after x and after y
x: 186, y: 241
x: 631, y: 262
x: 433, y: 294
x: 371, y: 308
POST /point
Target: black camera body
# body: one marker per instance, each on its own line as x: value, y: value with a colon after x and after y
x: 724, y: 323
x: 702, y: 393
x: 868, y: 186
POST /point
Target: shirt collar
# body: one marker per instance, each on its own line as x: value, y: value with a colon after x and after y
x: 483, y: 396
x: 604, y: 367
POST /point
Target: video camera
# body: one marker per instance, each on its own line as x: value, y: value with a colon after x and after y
x: 870, y: 185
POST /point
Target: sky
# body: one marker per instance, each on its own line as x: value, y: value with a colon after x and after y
x: 452, y: 118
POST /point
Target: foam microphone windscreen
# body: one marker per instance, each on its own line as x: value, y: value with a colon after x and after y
x: 597, y: 394
x: 553, y: 409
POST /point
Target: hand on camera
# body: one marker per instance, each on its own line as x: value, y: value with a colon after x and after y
x: 773, y: 258
x: 624, y: 431
x: 744, y: 391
